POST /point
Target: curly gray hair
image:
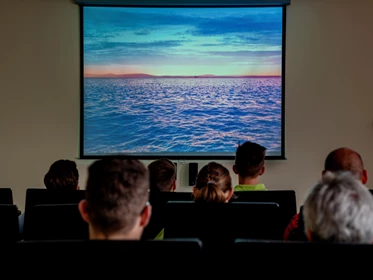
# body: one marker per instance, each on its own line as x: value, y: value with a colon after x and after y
x: 339, y: 209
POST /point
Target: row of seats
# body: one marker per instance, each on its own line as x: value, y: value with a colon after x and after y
x: 184, y: 257
x: 163, y: 210
x: 182, y: 219
x: 51, y: 215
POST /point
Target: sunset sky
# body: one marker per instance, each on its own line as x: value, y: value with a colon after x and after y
x: 182, y: 41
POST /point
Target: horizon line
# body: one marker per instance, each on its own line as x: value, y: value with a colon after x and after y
x: 141, y: 75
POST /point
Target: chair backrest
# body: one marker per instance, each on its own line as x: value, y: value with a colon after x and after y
x: 6, y: 196
x: 286, y: 199
x: 108, y: 257
x: 45, y: 196
x: 282, y: 259
x: 35, y: 196
x: 222, y: 222
x: 55, y: 222
x: 158, y: 201
x: 9, y: 227
x: 164, y: 197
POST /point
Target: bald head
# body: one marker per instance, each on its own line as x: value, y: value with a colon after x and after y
x: 345, y: 159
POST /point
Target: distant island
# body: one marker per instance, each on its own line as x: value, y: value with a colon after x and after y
x: 143, y: 76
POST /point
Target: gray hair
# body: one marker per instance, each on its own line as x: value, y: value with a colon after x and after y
x: 339, y: 209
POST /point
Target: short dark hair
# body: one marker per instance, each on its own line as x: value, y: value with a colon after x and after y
x: 344, y: 159
x: 62, y: 175
x: 117, y: 191
x: 162, y: 174
x: 249, y: 159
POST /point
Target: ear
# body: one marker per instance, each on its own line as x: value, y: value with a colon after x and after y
x: 364, y: 177
x: 77, y: 187
x: 173, y: 186
x: 228, y: 194
x: 262, y: 171
x: 309, y: 235
x: 234, y: 168
x: 323, y: 173
x: 145, y: 215
x: 195, y: 190
x: 83, y: 210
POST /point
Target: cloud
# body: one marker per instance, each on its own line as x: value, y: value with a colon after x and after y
x: 100, y: 35
x: 245, y: 53
x: 190, y: 58
x: 248, y: 40
x: 201, y: 22
x: 142, y: 32
x: 109, y: 46
x: 125, y: 58
x: 212, y: 45
x: 114, y: 35
x: 235, y: 25
x: 255, y: 38
x: 258, y: 60
x: 127, y: 52
x: 116, y: 19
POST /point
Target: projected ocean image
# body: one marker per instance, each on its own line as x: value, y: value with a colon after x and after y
x: 175, y: 80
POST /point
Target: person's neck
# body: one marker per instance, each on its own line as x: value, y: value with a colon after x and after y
x: 97, y: 235
x: 248, y: 180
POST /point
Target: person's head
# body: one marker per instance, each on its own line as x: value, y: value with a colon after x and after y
x: 213, y: 184
x: 339, y: 209
x: 62, y: 175
x: 162, y: 173
x: 249, y: 161
x: 116, y: 204
x: 345, y: 159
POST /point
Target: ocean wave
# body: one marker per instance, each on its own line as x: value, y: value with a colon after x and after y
x: 180, y: 115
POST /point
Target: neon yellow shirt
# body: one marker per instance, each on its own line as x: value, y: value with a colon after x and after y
x: 160, y: 235
x: 258, y: 187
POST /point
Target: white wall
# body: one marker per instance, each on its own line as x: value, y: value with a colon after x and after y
x: 329, y: 91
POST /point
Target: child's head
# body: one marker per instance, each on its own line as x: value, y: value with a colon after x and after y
x: 62, y: 175
x: 249, y: 162
x: 162, y: 173
x: 213, y: 184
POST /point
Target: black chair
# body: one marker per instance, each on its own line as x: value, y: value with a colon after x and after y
x: 45, y: 196
x: 9, y: 227
x: 36, y: 196
x: 218, y: 225
x: 6, y: 196
x: 55, y: 222
x: 165, y: 197
x: 159, y: 258
x: 282, y: 259
x: 286, y: 199
x: 158, y: 201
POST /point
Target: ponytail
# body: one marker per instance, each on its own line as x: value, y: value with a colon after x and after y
x: 210, y: 193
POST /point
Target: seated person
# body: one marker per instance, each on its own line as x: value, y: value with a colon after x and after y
x: 62, y: 175
x: 116, y: 205
x: 339, y: 209
x: 213, y: 185
x: 341, y: 159
x: 162, y: 174
x: 249, y: 165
